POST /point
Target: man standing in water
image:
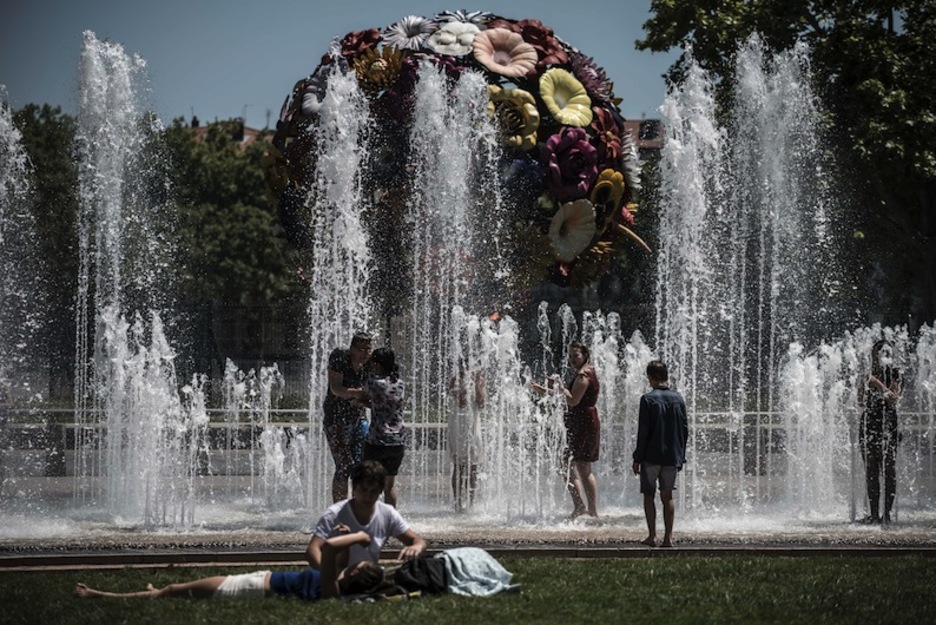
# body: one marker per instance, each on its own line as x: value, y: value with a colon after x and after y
x: 662, y: 432
x: 345, y: 422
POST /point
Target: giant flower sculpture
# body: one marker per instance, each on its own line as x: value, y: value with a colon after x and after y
x: 570, y: 173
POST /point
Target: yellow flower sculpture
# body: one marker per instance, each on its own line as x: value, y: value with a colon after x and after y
x: 606, y: 196
x: 515, y: 111
x: 378, y: 69
x: 572, y: 229
x: 566, y: 98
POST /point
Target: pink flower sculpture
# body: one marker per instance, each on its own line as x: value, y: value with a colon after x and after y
x: 504, y: 52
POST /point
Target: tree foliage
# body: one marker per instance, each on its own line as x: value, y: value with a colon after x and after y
x: 875, y: 71
x: 48, y: 137
x: 226, y: 223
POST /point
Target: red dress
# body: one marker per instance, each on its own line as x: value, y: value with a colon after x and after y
x: 583, y: 427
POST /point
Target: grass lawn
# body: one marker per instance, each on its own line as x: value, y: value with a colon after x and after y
x: 671, y: 590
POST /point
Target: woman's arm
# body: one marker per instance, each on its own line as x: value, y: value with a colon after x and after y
x: 331, y: 550
x: 314, y: 552
x: 579, y: 386
x: 551, y: 386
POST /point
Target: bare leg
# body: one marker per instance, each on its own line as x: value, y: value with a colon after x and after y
x: 472, y: 483
x: 590, y: 486
x: 390, y: 491
x: 669, y: 513
x: 202, y: 588
x: 456, y: 485
x: 650, y: 514
x: 574, y: 486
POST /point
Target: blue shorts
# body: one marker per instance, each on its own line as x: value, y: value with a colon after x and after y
x: 651, y: 474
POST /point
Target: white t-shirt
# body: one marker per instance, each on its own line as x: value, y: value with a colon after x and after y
x: 384, y: 523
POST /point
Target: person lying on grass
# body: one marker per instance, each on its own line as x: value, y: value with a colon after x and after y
x: 332, y: 581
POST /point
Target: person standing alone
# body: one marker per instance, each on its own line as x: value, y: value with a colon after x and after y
x: 662, y: 433
x: 878, y: 392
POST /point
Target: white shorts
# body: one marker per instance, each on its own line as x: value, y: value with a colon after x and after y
x: 243, y: 586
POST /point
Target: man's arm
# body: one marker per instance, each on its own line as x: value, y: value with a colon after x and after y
x: 642, y: 433
x: 684, y: 429
x: 338, y: 389
x: 415, y: 546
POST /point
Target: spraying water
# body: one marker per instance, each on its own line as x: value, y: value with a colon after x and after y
x: 744, y: 323
x: 20, y: 295
x: 137, y: 441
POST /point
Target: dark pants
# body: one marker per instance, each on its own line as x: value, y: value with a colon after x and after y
x: 879, y: 451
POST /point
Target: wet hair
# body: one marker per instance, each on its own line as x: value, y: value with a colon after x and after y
x: 876, y: 364
x: 657, y: 370
x: 582, y: 348
x: 369, y: 472
x: 360, y: 338
x: 368, y: 579
x: 385, y: 357
x: 879, y: 345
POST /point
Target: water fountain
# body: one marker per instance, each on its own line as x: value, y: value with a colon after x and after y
x: 745, y: 323
x: 137, y: 437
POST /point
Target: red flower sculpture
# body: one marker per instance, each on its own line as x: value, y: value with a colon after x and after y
x: 609, y: 137
x: 572, y: 163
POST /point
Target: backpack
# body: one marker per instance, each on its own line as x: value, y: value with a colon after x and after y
x: 423, y: 574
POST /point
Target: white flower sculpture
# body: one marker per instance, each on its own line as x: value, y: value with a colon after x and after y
x: 410, y: 33
x: 453, y: 38
x: 572, y: 229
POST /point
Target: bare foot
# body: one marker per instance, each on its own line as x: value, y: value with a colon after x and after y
x: 649, y: 541
x: 577, y: 513
x: 668, y: 544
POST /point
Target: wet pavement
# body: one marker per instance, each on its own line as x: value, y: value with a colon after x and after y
x: 614, y: 537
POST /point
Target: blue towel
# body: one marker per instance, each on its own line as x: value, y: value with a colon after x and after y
x: 474, y: 572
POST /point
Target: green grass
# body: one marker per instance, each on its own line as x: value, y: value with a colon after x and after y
x: 671, y: 590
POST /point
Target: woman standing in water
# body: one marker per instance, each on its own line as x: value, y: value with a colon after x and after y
x: 878, y: 392
x: 583, y: 430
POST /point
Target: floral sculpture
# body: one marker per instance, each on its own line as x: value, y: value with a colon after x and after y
x: 570, y: 167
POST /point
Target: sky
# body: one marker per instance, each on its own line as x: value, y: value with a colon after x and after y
x: 240, y: 58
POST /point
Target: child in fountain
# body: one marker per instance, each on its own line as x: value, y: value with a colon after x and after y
x: 386, y: 436
x: 662, y: 433
x: 364, y: 511
x: 464, y: 432
x: 331, y: 581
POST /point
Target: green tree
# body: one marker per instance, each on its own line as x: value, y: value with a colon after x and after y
x: 875, y: 70
x: 225, y: 221
x: 48, y: 136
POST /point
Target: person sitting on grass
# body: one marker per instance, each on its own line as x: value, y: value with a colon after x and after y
x: 332, y: 581
x: 365, y: 512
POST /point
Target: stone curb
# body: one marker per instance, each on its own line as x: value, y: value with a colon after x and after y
x: 167, y: 558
